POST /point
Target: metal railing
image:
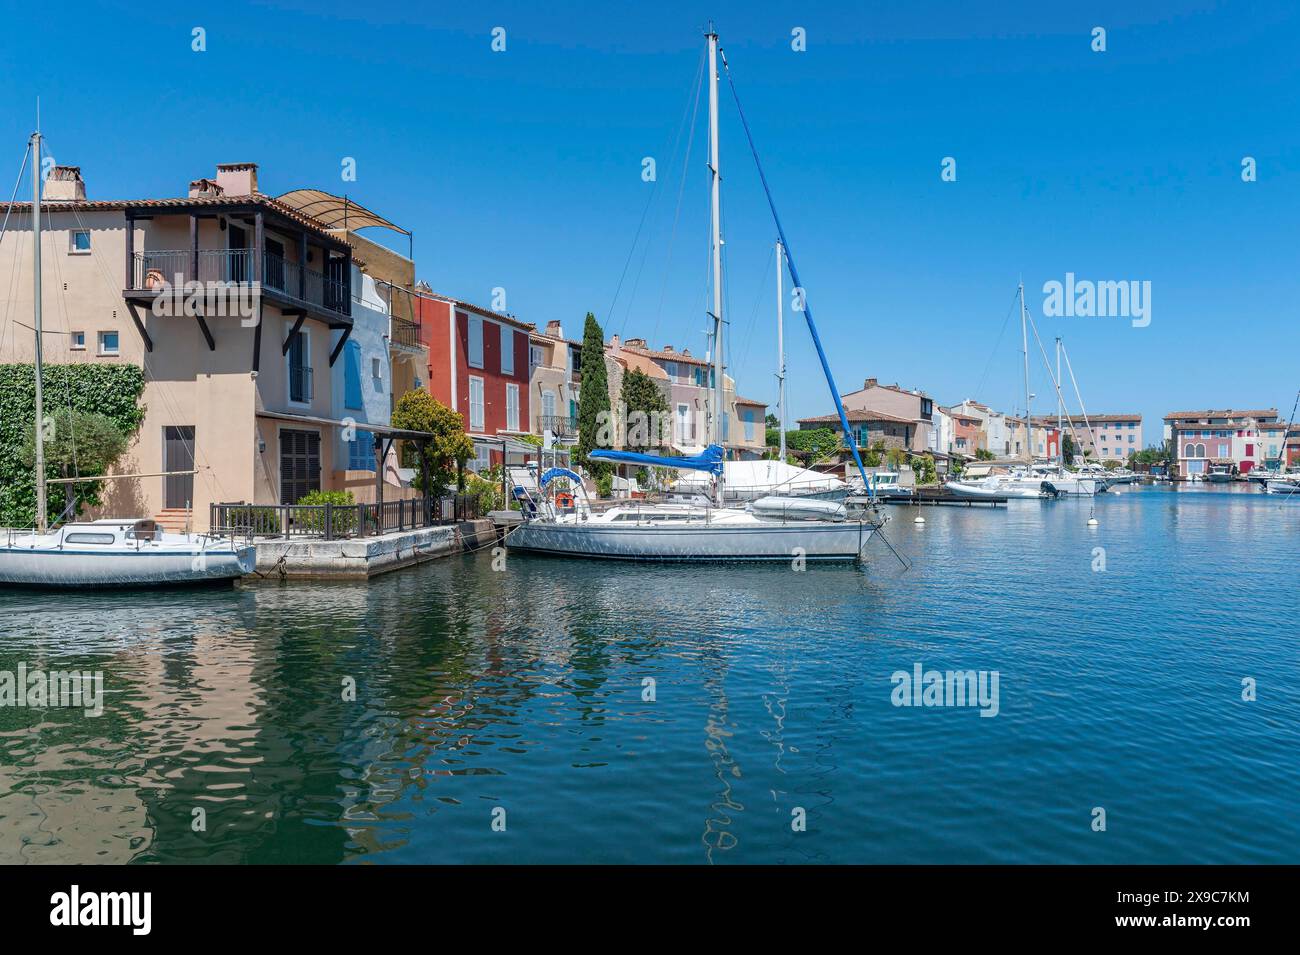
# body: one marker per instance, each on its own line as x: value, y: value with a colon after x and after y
x: 174, y: 267
x: 341, y: 521
x: 562, y: 426
x: 300, y: 383
x: 404, y: 332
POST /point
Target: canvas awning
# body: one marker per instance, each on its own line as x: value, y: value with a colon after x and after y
x: 335, y: 212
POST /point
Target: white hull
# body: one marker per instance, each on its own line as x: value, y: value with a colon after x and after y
x: 991, y: 490
x: 695, y: 541
x: 1282, y: 487
x: 69, y: 559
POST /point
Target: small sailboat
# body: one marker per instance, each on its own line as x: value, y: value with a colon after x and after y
x: 772, y: 527
x: 104, y: 553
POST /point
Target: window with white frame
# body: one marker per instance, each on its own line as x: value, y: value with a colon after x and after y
x: 77, y: 341
x: 475, y: 342
x: 512, y: 407
x: 507, y: 350
x: 376, y: 369
x: 535, y: 355
x: 79, y: 241
x: 548, y: 404
x: 684, y: 434
x: 475, y: 403
x: 108, y: 343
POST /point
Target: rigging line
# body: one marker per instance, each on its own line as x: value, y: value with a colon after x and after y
x: 654, y: 190
x: 989, y: 363
x: 681, y: 191
x: 1057, y: 385
x: 763, y: 291
x: 794, y: 275
x: 22, y: 167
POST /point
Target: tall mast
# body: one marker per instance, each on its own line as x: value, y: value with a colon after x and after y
x: 1060, y: 409
x: 780, y: 345
x: 36, y: 266
x: 715, y: 426
x: 1024, y: 347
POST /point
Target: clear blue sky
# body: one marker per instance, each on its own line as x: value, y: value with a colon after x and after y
x: 522, y: 169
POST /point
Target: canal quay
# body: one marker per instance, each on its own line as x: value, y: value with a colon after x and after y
x: 556, y: 710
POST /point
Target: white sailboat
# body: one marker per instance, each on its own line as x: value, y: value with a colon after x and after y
x: 773, y: 527
x: 103, y: 553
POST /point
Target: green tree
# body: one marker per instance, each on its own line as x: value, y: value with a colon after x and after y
x: 984, y: 454
x: 817, y: 443
x: 923, y: 467
x: 1068, y: 449
x: 77, y: 443
x: 647, y: 411
x: 772, y: 421
x: 896, y: 457
x: 593, y: 404
x: 446, y: 451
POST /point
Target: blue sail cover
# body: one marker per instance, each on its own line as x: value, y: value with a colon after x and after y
x: 552, y: 473
x: 710, y: 460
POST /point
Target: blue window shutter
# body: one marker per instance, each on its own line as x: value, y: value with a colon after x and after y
x: 352, y: 376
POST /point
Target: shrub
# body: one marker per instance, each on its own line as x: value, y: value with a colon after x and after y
x: 342, y: 521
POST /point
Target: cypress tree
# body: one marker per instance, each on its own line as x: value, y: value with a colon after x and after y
x: 593, y: 404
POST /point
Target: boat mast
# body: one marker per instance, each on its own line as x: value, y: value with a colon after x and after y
x: 36, y: 267
x: 1024, y: 340
x: 780, y: 346
x: 715, y: 426
x: 1060, y: 409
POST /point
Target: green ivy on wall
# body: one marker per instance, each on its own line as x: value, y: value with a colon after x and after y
x: 110, y: 390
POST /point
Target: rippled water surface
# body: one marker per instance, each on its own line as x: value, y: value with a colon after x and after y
x: 524, y: 691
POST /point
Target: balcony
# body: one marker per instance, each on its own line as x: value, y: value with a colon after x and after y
x: 404, y: 333
x: 562, y: 426
x: 285, y: 283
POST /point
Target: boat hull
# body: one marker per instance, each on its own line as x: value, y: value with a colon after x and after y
x: 71, y: 569
x: 810, y: 540
x: 1282, y: 487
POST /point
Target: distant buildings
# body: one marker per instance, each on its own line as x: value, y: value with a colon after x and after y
x: 1111, y: 437
x: 1242, y: 439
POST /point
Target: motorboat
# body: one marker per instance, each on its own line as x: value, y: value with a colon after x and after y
x: 998, y: 487
x: 113, y: 553
x: 1219, y: 474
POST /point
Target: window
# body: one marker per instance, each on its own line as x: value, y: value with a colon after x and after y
x: 298, y: 366
x: 726, y: 426
x: 89, y: 538
x: 548, y: 404
x: 361, y: 452
x: 535, y: 355
x: 299, y: 464
x: 482, y: 459
x: 507, y: 350
x: 80, y: 242
x: 352, y: 376
x: 108, y: 343
x: 78, y: 341
x: 475, y: 403
x: 684, y: 435
x: 670, y: 367
x: 1223, y: 450
x: 376, y: 369
x: 512, y: 407
x: 475, y: 342
x: 749, y: 425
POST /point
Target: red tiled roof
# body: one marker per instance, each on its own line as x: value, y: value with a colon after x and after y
x: 1223, y: 413
x: 663, y: 355
x: 856, y: 416
x: 1078, y: 418
x: 748, y: 401
x: 109, y: 205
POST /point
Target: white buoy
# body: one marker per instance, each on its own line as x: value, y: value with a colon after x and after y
x: 918, y: 519
x: 1093, y: 522
x: 1117, y: 493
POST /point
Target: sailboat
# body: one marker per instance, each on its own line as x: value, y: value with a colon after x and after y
x: 773, y: 527
x: 132, y: 552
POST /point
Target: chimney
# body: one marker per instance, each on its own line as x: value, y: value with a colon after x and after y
x: 686, y: 352
x: 65, y: 184
x: 237, y: 178
x: 635, y: 343
x: 668, y: 348
x: 555, y: 329
x: 613, y: 343
x: 205, y: 189
x: 869, y: 383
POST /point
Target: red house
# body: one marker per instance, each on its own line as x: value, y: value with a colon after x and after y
x: 478, y: 363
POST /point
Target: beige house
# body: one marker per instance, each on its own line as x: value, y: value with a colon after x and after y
x: 553, y: 382
x: 896, y: 402
x: 237, y: 305
x: 686, y: 382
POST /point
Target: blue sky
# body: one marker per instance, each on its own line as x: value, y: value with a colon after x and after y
x: 522, y: 169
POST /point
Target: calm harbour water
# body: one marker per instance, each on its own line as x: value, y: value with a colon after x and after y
x: 522, y: 689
